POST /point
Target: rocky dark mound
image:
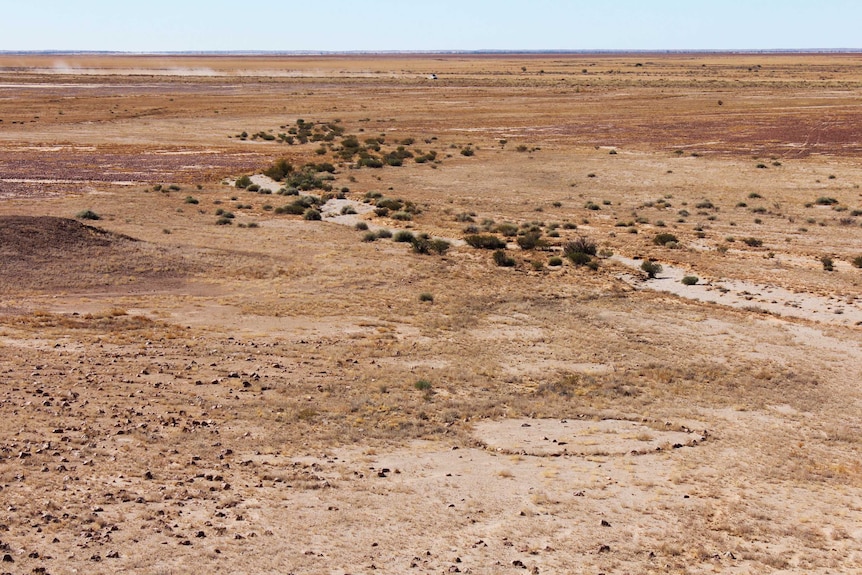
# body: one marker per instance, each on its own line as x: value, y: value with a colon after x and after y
x: 47, y: 253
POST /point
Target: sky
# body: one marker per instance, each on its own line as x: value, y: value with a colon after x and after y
x: 378, y: 25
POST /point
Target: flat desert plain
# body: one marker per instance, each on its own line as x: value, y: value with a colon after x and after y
x: 245, y: 327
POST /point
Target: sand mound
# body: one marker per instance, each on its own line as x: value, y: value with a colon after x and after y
x: 50, y: 253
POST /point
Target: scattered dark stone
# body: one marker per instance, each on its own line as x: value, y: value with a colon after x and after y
x: 200, y: 534
x: 96, y: 558
x: 148, y: 475
x: 605, y: 549
x: 605, y: 523
x: 519, y: 563
x: 8, y: 558
x: 113, y: 555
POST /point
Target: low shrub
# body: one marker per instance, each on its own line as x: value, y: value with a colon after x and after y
x: 531, y: 241
x: 279, y: 170
x: 824, y: 201
x: 243, y: 182
x: 857, y: 262
x: 311, y: 214
x: 361, y: 226
x: 384, y: 233
x: 689, y: 280
x: 503, y: 260
x: 664, y: 239
x: 440, y: 246
x: 425, y: 296
x: 403, y: 236
x: 651, y: 268
x: 555, y: 261
x: 422, y: 385
x: 389, y: 203
x: 402, y: 216
x: 485, y: 242
x: 369, y: 237
x: 582, y: 245
x: 828, y: 263
x: 507, y: 229
x: 752, y: 242
x: 88, y: 215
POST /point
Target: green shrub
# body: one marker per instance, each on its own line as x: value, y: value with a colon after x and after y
x: 555, y: 261
x: 422, y: 385
x: 664, y: 239
x: 369, y: 237
x: 384, y: 233
x: 311, y: 214
x: 243, y: 182
x: 503, y: 260
x: 361, y: 226
x: 507, y: 229
x: 191, y: 200
x: 485, y: 242
x: 88, y: 215
x: 828, y: 263
x: 403, y: 236
x: 223, y: 221
x: 690, y: 280
x: 651, y: 268
x: 425, y: 296
x: 291, y: 209
x: 531, y: 241
x: 824, y: 201
x: 421, y: 244
x: 468, y: 151
x: 253, y: 188
x: 347, y: 210
x: 857, y: 262
x: 402, y: 216
x: 752, y: 242
x: 389, y: 204
x: 440, y: 246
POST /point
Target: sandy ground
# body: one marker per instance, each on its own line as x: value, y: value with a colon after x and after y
x: 197, y: 382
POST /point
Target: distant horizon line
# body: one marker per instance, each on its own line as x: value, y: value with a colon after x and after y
x: 421, y: 52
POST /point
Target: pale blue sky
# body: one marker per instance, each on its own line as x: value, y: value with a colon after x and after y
x: 344, y: 25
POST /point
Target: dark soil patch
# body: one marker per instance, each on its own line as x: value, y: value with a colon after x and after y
x: 50, y: 254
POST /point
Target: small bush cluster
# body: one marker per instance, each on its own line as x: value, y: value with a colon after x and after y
x: 581, y: 252
x: 299, y: 206
x: 485, y: 242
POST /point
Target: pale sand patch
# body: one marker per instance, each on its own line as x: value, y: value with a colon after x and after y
x: 748, y: 295
x: 582, y: 437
